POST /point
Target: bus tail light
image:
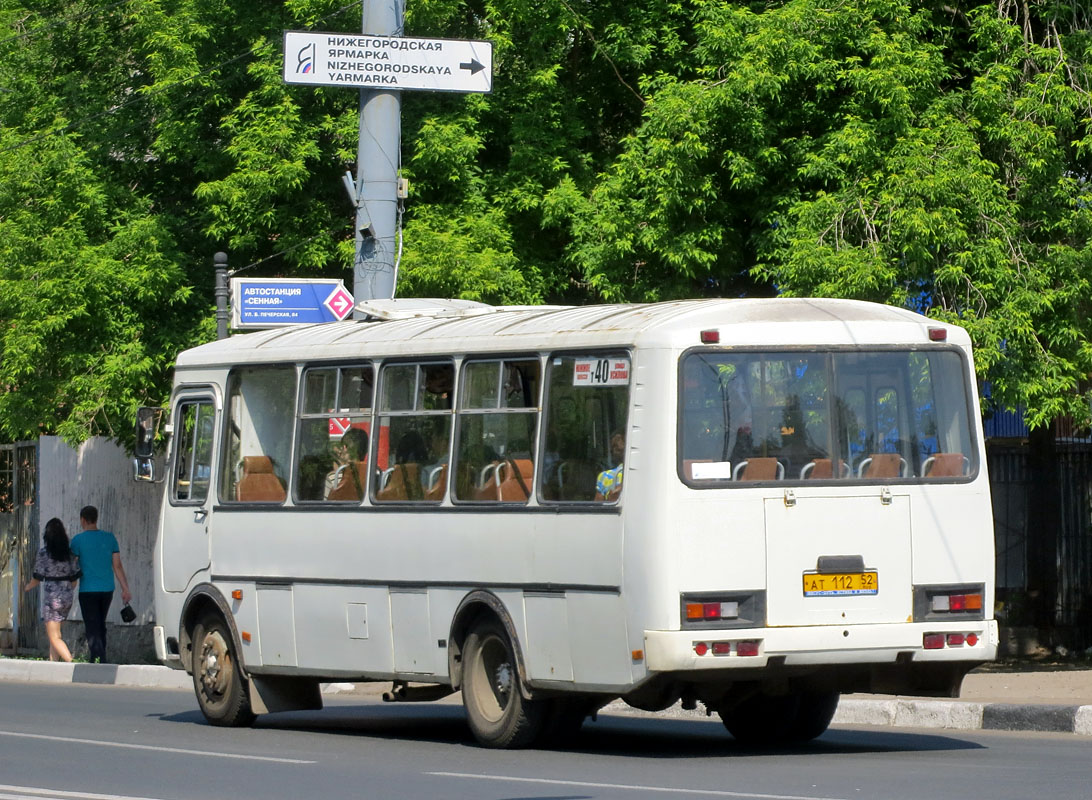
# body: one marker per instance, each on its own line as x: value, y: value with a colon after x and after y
x: 746, y: 647
x: 957, y: 602
x: 938, y: 641
x: 706, y: 612
x: 949, y: 602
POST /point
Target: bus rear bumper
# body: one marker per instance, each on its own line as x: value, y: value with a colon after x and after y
x: 701, y: 650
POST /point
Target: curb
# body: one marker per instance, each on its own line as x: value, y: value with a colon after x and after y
x: 894, y: 712
x: 935, y: 714
x: 140, y: 675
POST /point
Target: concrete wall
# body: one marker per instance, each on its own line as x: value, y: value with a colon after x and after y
x: 100, y: 473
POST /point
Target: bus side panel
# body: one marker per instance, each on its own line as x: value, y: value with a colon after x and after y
x: 548, y: 656
x: 343, y: 628
x: 720, y: 545
x: 952, y: 530
x: 600, y: 642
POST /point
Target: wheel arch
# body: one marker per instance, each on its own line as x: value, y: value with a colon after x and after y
x: 477, y: 604
x: 204, y: 599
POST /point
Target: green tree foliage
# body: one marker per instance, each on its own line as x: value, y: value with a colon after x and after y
x: 927, y: 154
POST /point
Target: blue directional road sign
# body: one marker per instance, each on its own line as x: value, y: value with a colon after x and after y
x: 279, y: 302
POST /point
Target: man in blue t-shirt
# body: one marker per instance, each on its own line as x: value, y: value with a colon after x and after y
x: 100, y: 562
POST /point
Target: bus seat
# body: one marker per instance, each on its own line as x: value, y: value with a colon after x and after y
x: 823, y: 468
x: 487, y: 482
x: 437, y: 483
x: 404, y: 484
x: 945, y: 465
x: 259, y: 483
x: 348, y: 488
x: 515, y: 480
x: 882, y: 465
x: 571, y: 479
x: 759, y: 469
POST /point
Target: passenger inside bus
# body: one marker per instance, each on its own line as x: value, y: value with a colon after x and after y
x: 346, y: 480
x: 609, y: 483
x: 404, y: 475
x: 439, y: 383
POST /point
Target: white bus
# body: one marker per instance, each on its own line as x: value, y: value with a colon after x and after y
x: 434, y: 496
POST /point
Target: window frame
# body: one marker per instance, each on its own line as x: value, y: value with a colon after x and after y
x: 421, y: 362
x: 294, y: 368
x: 302, y: 416
x: 198, y: 395
x: 608, y: 351
x: 831, y: 352
x: 462, y: 412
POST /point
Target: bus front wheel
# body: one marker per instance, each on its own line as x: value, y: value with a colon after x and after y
x: 217, y: 680
x: 498, y: 714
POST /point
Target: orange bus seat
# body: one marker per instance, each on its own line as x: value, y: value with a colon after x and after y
x: 259, y: 483
x: 348, y: 488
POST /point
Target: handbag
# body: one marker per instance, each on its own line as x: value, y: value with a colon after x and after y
x: 127, y: 613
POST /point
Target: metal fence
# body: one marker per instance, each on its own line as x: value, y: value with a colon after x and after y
x: 1043, y: 534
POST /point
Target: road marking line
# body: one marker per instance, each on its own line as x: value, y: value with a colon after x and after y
x: 179, y: 750
x: 34, y: 791
x: 630, y: 787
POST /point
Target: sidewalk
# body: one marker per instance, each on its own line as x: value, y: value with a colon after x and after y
x: 1048, y: 700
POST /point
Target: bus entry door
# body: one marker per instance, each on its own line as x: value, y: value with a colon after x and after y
x: 184, y: 543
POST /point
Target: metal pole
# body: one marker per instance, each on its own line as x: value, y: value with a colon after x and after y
x: 219, y: 264
x: 378, y: 157
x: 17, y: 588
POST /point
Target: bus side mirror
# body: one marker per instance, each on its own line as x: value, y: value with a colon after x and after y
x: 144, y: 469
x: 147, y: 426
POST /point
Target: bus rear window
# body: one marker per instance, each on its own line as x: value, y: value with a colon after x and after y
x: 869, y: 416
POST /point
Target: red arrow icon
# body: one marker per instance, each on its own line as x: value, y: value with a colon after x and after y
x: 340, y: 303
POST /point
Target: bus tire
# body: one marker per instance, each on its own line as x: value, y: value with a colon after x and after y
x: 498, y: 714
x: 217, y: 678
x: 813, y: 715
x: 762, y: 720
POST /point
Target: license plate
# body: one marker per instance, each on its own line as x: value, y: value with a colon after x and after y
x: 841, y: 584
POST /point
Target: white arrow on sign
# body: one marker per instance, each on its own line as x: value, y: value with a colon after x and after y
x: 362, y: 61
x: 340, y: 302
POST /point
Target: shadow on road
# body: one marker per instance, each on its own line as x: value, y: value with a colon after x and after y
x: 621, y: 736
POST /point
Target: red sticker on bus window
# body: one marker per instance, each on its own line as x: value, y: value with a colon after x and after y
x: 601, y: 372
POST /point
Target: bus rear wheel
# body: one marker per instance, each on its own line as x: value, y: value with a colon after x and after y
x: 217, y: 679
x: 764, y: 720
x: 498, y: 714
x: 813, y: 715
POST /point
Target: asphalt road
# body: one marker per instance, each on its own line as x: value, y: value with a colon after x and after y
x: 81, y: 742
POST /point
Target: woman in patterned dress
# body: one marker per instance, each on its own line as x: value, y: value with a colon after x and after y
x: 56, y: 570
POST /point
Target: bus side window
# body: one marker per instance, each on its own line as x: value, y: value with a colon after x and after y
x: 413, y: 432
x: 334, y: 434
x: 193, y: 456
x: 498, y: 419
x: 261, y: 409
x: 587, y: 401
